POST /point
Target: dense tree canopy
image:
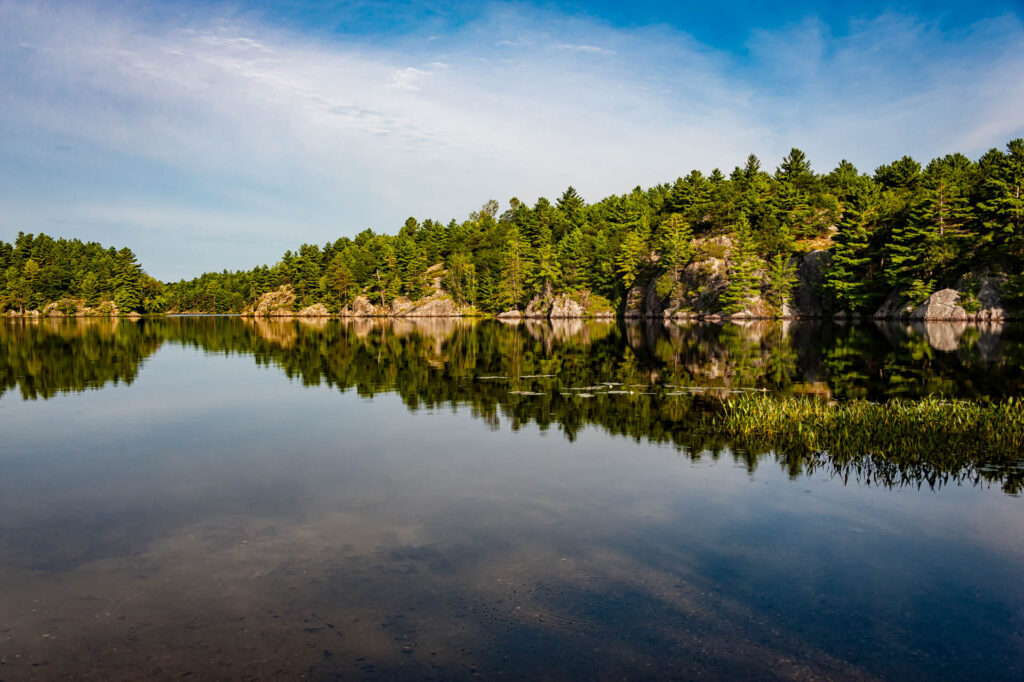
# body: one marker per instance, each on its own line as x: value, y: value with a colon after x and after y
x: 906, y: 226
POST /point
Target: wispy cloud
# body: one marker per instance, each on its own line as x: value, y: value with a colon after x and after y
x: 584, y: 48
x: 241, y: 134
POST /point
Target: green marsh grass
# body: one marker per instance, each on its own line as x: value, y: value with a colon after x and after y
x: 925, y: 440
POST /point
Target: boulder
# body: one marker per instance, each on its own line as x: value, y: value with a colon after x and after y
x: 942, y: 305
x: 634, y: 305
x: 510, y: 315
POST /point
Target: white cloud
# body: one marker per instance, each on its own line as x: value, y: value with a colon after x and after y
x: 241, y: 134
x: 584, y: 48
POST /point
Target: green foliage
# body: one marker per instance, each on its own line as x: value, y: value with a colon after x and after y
x: 515, y: 270
x: 847, y: 278
x: 742, y: 271
x: 780, y: 280
x: 906, y: 228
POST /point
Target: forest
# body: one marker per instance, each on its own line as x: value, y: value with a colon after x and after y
x: 906, y: 227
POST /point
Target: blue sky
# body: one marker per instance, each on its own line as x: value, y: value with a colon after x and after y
x: 209, y: 135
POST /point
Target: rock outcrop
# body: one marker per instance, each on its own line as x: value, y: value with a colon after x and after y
x: 75, y: 307
x: 278, y: 303
x: 438, y: 304
x: 435, y: 306
x: 697, y: 291
x: 315, y: 310
x: 976, y: 298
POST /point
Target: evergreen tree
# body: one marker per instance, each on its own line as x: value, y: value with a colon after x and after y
x: 846, y: 277
x: 676, y: 249
x: 573, y: 260
x: 742, y: 271
x: 780, y: 280
x: 515, y: 269
x: 127, y: 282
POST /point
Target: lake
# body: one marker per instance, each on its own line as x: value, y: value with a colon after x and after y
x: 222, y: 498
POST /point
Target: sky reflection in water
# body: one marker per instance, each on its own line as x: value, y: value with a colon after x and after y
x: 206, y: 515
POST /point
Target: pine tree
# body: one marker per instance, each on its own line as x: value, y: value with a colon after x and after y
x: 742, y: 271
x: 546, y: 271
x: 850, y: 257
x: 573, y: 259
x: 90, y: 289
x: 676, y: 249
x: 781, y: 278
x: 1002, y: 207
x: 515, y: 270
x: 631, y: 257
x: 127, y: 281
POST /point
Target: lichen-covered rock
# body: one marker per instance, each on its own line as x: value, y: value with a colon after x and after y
x: 510, y: 316
x: 635, y: 298
x: 278, y: 303
x: 539, y: 307
x: 315, y: 310
x: 564, y: 307
x: 435, y: 305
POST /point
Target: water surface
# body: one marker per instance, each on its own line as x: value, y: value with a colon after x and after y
x: 218, y: 498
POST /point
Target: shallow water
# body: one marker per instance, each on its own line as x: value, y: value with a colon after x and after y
x: 226, y: 499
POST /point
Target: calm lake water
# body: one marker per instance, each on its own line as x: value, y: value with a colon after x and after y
x: 217, y: 498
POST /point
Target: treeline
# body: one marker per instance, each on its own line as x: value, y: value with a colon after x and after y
x: 39, y: 270
x: 906, y: 227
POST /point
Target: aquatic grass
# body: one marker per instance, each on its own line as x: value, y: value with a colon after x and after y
x: 930, y: 430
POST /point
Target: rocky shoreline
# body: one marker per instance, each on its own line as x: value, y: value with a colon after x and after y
x: 695, y: 293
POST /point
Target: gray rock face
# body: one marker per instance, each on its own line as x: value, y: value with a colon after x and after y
x: 975, y: 298
x: 990, y: 296
x: 810, y: 274
x: 634, y: 307
x: 895, y: 307
x: 942, y: 305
